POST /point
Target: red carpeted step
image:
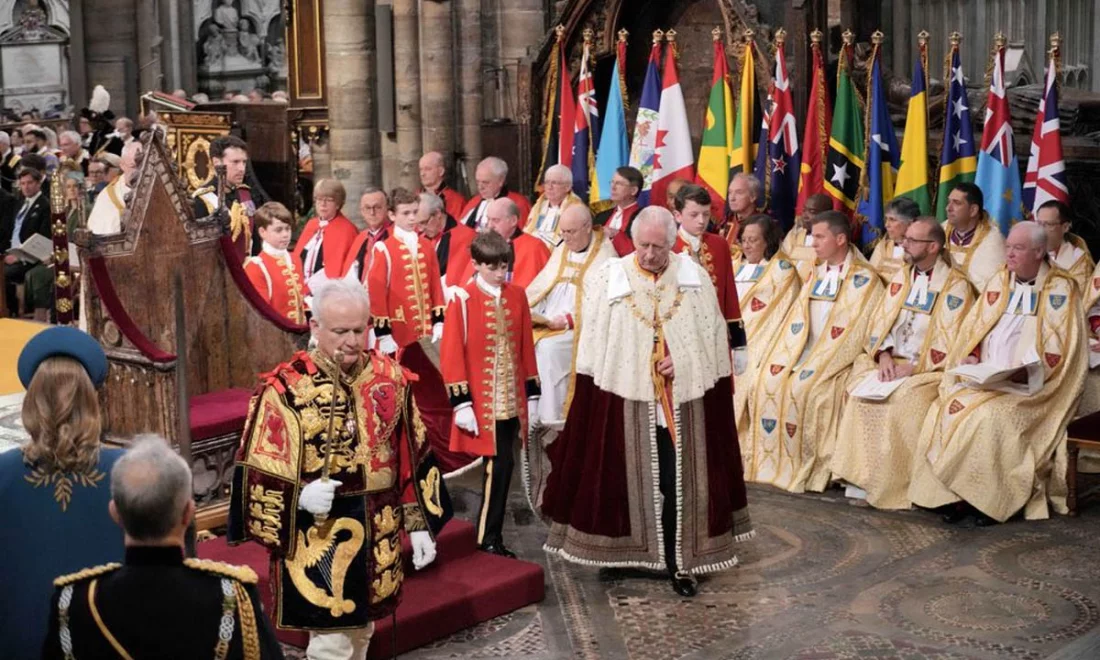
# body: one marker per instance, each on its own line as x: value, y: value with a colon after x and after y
x: 461, y: 588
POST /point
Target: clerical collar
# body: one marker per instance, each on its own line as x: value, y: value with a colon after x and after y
x: 918, y: 272
x: 839, y: 267
x: 374, y: 232
x: 493, y: 291
x: 626, y: 208
x: 1030, y: 282
x: 274, y: 251
x: 960, y: 237
x: 693, y: 241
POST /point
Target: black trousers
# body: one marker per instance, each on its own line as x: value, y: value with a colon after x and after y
x: 496, y: 483
x: 14, y: 274
x: 666, y: 465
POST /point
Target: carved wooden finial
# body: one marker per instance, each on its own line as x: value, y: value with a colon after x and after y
x: 658, y: 36
x: 1055, y: 41
x: 876, y: 37
x: 716, y: 34
x: 670, y: 35
x: 780, y: 37
x: 999, y: 40
x: 922, y: 37
x: 560, y: 31
x: 849, y: 37
x: 623, y: 34
x: 588, y: 34
x: 816, y: 36
x: 956, y: 38
x: 748, y: 34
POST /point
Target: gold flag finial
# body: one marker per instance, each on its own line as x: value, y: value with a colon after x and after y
x: 748, y: 34
x: 956, y: 38
x: 716, y: 33
x: 780, y: 37
x: 670, y: 35
x: 849, y: 37
x: 1055, y: 41
x: 999, y: 40
x: 623, y: 34
x: 588, y: 34
x: 876, y: 37
x: 816, y: 36
x: 658, y: 36
x: 922, y: 37
x: 560, y: 31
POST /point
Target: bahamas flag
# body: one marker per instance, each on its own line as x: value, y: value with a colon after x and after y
x: 913, y: 179
x: 613, y: 152
x: 998, y: 170
x: 713, y: 170
x: 958, y: 162
x: 743, y: 153
x: 844, y: 159
x: 882, y: 157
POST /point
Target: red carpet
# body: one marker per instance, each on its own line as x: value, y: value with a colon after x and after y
x: 461, y: 588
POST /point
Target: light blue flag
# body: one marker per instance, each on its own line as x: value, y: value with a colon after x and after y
x: 614, y: 151
x: 998, y: 170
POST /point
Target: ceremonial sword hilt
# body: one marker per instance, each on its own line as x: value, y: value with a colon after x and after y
x: 338, y: 358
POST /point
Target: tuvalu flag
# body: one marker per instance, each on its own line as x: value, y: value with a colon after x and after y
x: 717, y: 143
x: 913, y: 176
x: 844, y: 160
x: 998, y: 170
x: 882, y: 154
x: 819, y: 118
x: 958, y: 162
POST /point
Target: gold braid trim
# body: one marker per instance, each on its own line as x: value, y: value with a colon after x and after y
x: 86, y: 573
x: 239, y: 573
x: 414, y: 518
x: 250, y: 636
x: 102, y: 626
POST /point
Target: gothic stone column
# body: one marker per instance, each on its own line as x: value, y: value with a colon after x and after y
x: 437, y: 79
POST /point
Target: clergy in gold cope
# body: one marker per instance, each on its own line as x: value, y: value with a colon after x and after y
x: 889, y: 254
x: 993, y: 452
x: 767, y: 284
x: 798, y: 244
x: 1090, y: 400
x: 1066, y: 250
x: 976, y: 246
x: 544, y: 220
x: 800, y: 387
x: 911, y: 332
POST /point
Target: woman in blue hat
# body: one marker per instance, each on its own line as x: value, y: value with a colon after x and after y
x: 55, y: 487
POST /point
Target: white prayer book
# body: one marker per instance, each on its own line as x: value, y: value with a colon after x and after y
x: 873, y: 389
x: 34, y: 250
x: 986, y: 376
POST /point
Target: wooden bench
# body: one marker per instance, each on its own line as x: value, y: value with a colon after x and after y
x: 1084, y: 433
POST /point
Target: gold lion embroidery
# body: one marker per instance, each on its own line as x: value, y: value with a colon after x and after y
x: 319, y: 548
x: 63, y: 482
x: 387, y: 584
x: 266, y: 508
x: 385, y: 522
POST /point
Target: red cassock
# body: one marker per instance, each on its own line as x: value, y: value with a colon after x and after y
x: 714, y: 257
x: 466, y: 216
x: 406, y: 294
x: 452, y: 250
x: 336, y: 240
x: 280, y: 282
x: 363, y: 249
x: 453, y: 201
x: 485, y: 336
x: 530, y: 254
x: 622, y: 242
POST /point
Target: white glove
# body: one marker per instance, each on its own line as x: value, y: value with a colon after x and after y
x: 317, y: 496
x: 387, y: 345
x: 466, y: 420
x: 437, y: 332
x: 740, y: 360
x: 533, y: 412
x: 423, y: 548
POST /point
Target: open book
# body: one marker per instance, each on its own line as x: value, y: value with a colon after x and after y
x: 987, y: 376
x: 873, y: 389
x: 35, y: 249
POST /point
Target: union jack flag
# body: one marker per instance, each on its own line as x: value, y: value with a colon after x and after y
x: 586, y: 96
x: 1045, y: 178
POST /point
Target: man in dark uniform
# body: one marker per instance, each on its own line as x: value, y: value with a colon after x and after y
x: 100, y: 139
x: 242, y: 201
x: 157, y: 604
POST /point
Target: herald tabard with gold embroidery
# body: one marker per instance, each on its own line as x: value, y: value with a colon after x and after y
x: 346, y: 570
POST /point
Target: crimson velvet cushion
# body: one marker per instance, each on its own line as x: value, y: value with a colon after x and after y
x: 218, y: 413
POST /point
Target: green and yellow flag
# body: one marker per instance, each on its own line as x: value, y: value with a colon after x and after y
x: 844, y: 159
x: 713, y: 171
x: 743, y: 150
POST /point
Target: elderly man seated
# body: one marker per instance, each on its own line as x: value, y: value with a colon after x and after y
x: 555, y: 299
x: 490, y: 175
x: 993, y: 446
x: 545, y: 216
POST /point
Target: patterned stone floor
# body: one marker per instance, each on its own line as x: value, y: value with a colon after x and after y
x: 825, y: 579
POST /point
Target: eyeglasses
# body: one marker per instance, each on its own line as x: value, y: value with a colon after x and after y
x: 917, y: 240
x: 1051, y: 225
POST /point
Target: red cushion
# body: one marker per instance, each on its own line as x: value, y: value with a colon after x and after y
x: 218, y: 413
x: 1085, y: 428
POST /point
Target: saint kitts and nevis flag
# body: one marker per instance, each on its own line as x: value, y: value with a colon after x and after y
x: 674, y: 158
x: 882, y: 155
x: 644, y: 146
x: 913, y: 179
x: 844, y: 159
x: 713, y: 170
x: 613, y: 151
x: 958, y: 162
x: 1045, y: 179
x: 816, y: 138
x: 998, y: 171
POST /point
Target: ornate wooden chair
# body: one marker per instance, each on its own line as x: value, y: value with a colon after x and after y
x: 231, y: 334
x: 1084, y: 433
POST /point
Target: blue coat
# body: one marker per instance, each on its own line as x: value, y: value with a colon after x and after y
x: 50, y: 525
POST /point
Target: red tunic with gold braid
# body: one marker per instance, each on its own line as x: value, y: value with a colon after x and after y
x: 406, y: 292
x: 488, y: 359
x: 279, y: 281
x: 714, y: 256
x: 346, y: 570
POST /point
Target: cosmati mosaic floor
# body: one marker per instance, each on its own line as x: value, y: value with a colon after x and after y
x: 825, y: 579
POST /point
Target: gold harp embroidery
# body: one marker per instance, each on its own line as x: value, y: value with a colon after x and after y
x: 318, y: 548
x: 429, y: 490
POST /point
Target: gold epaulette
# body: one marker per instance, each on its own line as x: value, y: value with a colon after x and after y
x: 239, y: 573
x: 84, y: 574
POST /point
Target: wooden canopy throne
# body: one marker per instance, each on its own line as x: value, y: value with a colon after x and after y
x: 231, y: 334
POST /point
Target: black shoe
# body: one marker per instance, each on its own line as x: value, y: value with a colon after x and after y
x: 497, y: 549
x: 956, y: 514
x: 683, y: 584
x: 982, y: 520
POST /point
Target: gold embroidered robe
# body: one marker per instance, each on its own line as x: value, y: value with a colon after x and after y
x: 1004, y: 452
x: 876, y: 439
x: 1090, y: 400
x: 551, y: 238
x: 796, y: 405
x: 884, y: 261
x: 800, y: 254
x: 983, y: 257
x: 763, y: 308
